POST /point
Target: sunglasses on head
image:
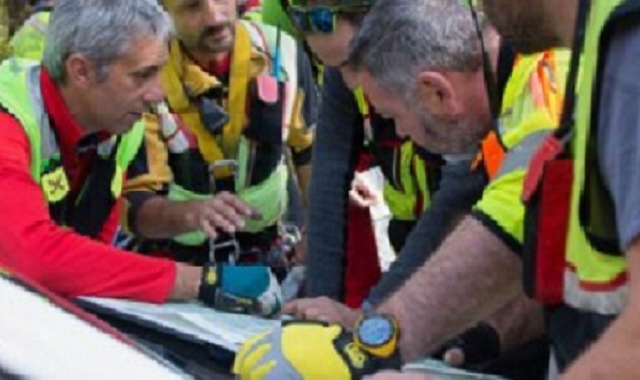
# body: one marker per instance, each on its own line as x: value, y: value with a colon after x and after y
x: 320, y: 19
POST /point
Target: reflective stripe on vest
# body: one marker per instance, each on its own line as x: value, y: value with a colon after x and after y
x: 409, y: 202
x: 595, y: 281
x: 532, y: 101
x: 604, y: 298
x: 269, y: 197
x: 26, y: 104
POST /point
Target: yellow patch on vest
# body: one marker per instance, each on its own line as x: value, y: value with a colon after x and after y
x: 55, y: 185
x: 116, y: 182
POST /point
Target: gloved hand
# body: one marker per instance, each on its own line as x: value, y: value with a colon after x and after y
x: 475, y: 346
x: 241, y: 289
x: 309, y: 351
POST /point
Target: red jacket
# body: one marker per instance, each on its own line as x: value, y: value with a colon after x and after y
x: 57, y: 258
x: 252, y: 4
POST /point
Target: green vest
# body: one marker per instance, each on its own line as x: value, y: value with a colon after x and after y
x: 30, y: 39
x: 254, y: 15
x: 595, y: 277
x: 530, y: 108
x: 270, y: 196
x: 25, y: 103
x: 408, y: 199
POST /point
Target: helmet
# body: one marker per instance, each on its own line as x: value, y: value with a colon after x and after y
x: 276, y: 12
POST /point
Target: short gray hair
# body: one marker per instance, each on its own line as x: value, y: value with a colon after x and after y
x: 401, y: 38
x: 100, y: 29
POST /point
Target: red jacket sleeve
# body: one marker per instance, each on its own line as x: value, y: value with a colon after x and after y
x: 57, y: 258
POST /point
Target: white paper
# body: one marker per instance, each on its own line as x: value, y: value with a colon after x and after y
x: 226, y: 330
x: 380, y: 216
x: 437, y: 370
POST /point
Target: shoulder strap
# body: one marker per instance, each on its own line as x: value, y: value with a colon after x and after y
x: 365, y: 112
x: 238, y: 85
x: 282, y: 51
x: 563, y: 133
x: 557, y: 143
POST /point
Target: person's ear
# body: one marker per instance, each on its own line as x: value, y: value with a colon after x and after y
x: 435, y: 91
x: 80, y: 71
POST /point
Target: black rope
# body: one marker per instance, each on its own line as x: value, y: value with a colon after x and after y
x: 489, y: 75
x: 567, y: 120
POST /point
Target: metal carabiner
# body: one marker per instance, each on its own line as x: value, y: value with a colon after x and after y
x: 233, y: 242
x: 231, y: 165
x: 234, y: 257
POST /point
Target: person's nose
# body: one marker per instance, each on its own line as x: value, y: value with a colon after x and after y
x: 155, y: 92
x: 216, y: 13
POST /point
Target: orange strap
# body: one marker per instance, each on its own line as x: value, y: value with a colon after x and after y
x: 554, y: 97
x: 491, y: 155
x: 546, y: 94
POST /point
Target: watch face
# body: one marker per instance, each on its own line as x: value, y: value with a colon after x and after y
x: 375, y: 331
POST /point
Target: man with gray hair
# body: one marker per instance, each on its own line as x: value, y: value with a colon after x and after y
x: 405, y: 78
x: 69, y: 132
x: 415, y: 75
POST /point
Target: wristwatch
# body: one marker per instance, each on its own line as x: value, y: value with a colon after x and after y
x: 377, y: 334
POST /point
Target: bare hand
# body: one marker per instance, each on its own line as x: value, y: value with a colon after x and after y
x: 323, y: 309
x: 224, y: 212
x: 361, y: 194
x: 395, y: 375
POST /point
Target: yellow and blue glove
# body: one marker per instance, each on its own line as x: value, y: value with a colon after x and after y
x: 241, y: 289
x: 309, y: 351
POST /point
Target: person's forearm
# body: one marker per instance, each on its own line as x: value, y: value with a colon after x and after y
x: 335, y: 148
x: 518, y: 323
x: 159, y: 218
x: 187, y: 283
x: 326, y: 228
x: 615, y: 355
x: 470, y: 277
x: 65, y: 262
x: 459, y: 190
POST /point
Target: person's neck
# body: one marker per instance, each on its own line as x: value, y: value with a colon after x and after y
x: 207, y: 60
x: 74, y: 103
x: 566, y: 23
